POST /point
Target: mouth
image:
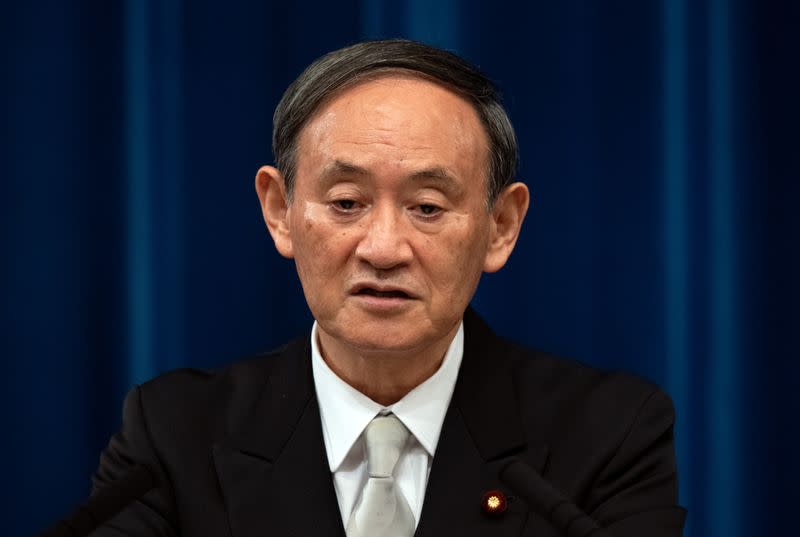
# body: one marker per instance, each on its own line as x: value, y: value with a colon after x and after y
x: 380, y: 295
x: 392, y: 293
x: 382, y: 300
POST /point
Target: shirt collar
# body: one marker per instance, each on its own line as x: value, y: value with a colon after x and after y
x: 345, y: 411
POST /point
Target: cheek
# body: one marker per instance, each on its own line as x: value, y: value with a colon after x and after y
x: 308, y: 241
x: 456, y: 259
x: 309, y: 228
x: 320, y: 248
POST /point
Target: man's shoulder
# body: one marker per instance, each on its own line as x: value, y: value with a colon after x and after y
x: 242, y: 372
x: 558, y: 374
x: 546, y: 380
x: 568, y: 399
x: 227, y: 392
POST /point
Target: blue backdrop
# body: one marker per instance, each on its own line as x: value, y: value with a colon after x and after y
x: 659, y: 140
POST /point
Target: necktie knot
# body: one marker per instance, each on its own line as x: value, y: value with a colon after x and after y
x: 385, y: 438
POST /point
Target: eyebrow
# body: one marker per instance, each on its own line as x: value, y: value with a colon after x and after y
x: 340, y: 167
x: 437, y: 173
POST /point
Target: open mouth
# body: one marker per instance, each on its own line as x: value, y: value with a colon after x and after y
x: 367, y: 291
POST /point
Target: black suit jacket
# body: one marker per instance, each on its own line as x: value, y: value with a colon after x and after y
x: 240, y: 451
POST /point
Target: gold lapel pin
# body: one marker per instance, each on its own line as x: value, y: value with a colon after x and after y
x: 494, y: 503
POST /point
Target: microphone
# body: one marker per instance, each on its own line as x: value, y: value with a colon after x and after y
x: 549, y: 502
x: 104, y: 504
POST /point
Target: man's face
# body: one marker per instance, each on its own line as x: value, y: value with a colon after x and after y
x: 388, y: 222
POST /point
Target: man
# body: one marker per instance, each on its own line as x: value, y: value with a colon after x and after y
x: 392, y: 192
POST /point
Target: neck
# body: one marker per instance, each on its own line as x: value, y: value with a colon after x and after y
x: 383, y: 376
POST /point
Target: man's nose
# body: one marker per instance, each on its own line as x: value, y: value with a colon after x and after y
x: 385, y: 243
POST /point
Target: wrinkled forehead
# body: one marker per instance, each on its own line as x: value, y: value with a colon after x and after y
x: 415, y: 114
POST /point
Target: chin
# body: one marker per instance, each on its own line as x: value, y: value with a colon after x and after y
x: 382, y: 342
x: 381, y: 335
x: 370, y: 332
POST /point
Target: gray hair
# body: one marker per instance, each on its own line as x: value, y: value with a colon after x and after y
x: 345, y: 67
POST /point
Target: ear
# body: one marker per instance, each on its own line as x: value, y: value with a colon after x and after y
x: 271, y: 191
x: 508, y: 213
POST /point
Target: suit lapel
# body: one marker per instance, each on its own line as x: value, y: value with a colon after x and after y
x: 273, y: 470
x: 482, y: 431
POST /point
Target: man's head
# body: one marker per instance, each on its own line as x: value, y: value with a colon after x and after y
x: 388, y: 221
x: 340, y: 69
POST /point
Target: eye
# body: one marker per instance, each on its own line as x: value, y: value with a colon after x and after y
x: 344, y: 205
x: 426, y: 210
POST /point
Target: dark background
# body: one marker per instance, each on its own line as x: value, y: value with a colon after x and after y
x: 659, y: 139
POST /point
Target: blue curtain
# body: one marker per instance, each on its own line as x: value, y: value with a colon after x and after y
x: 659, y: 140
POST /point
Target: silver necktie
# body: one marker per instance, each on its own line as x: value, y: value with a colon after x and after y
x: 382, y: 511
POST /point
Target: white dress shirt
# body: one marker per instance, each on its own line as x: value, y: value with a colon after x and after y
x: 346, y: 412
